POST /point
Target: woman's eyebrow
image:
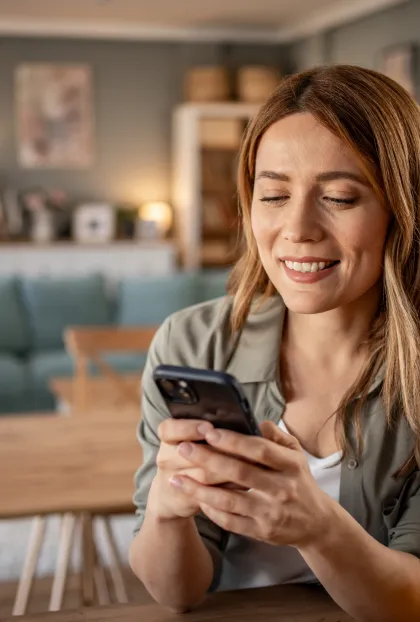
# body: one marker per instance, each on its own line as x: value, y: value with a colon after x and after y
x: 327, y: 176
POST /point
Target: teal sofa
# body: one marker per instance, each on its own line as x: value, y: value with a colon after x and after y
x: 35, y: 312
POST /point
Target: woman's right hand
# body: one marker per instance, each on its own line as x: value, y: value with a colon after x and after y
x: 165, y: 501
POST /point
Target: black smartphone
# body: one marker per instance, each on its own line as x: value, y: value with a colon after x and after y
x: 206, y: 394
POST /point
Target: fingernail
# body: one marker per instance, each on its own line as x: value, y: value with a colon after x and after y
x: 213, y: 436
x: 204, y: 428
x: 176, y: 482
x: 185, y: 449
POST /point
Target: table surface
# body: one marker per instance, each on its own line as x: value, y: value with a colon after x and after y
x: 58, y: 463
x: 274, y: 604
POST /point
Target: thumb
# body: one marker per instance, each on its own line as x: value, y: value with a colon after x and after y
x: 272, y: 432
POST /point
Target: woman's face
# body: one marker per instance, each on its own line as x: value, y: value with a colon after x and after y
x: 318, y: 225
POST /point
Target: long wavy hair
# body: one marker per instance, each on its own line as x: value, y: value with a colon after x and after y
x: 380, y: 122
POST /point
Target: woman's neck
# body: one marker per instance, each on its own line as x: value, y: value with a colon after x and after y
x: 333, y: 338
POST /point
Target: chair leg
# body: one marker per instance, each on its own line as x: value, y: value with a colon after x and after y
x: 101, y: 584
x: 32, y: 553
x: 64, y: 548
x: 88, y: 561
x: 115, y: 567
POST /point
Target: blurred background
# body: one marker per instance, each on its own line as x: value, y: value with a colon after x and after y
x: 120, y: 124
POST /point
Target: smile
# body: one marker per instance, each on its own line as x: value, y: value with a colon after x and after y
x: 313, y: 266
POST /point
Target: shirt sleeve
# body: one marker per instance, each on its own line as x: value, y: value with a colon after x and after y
x: 404, y: 520
x: 154, y: 411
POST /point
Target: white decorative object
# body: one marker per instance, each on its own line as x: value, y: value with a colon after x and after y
x: 94, y: 223
x: 42, y: 226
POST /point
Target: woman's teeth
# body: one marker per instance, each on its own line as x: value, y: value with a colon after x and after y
x: 308, y: 267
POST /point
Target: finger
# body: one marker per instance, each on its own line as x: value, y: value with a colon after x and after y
x: 231, y: 468
x: 174, y: 431
x: 203, y: 476
x: 253, y: 449
x: 233, y: 523
x: 231, y: 501
x: 273, y: 433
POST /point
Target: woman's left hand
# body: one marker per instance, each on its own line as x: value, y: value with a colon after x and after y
x: 281, y: 502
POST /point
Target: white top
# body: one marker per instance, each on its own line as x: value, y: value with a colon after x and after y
x: 248, y: 563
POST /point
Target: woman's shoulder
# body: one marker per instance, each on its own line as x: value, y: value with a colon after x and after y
x: 201, y: 335
x: 197, y: 336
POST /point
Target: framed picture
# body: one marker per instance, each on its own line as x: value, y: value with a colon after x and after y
x: 54, y: 116
x: 398, y: 63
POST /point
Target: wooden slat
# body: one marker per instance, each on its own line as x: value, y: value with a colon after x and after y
x: 102, y: 393
x: 68, y: 522
x: 90, y: 340
x: 29, y: 567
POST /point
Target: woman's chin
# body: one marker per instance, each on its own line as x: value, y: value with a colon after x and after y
x: 307, y: 303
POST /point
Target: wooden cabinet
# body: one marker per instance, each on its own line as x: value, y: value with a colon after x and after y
x: 206, y: 141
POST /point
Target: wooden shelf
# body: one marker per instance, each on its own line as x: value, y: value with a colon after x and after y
x: 201, y: 178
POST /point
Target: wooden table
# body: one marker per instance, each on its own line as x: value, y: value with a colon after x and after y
x: 274, y: 604
x: 100, y: 390
x: 67, y: 465
x: 51, y: 463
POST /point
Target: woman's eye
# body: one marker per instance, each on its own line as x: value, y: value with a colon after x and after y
x: 273, y: 200
x: 338, y: 201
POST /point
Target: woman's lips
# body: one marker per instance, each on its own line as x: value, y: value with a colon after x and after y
x: 309, y: 277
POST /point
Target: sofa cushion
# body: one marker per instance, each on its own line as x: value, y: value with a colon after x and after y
x: 14, y: 327
x: 147, y: 301
x: 14, y: 375
x: 15, y: 385
x: 53, y: 304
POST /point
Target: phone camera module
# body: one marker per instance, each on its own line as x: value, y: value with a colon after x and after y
x: 178, y: 391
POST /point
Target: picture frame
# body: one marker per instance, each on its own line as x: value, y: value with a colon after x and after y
x: 399, y: 63
x: 54, y: 117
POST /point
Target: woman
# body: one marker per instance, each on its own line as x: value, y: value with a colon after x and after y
x: 322, y: 330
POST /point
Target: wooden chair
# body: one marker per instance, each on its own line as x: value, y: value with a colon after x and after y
x: 110, y: 389
x: 114, y: 390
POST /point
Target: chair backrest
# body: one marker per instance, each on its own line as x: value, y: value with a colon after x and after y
x: 90, y: 344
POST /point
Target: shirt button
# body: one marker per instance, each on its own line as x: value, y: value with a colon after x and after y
x: 352, y: 464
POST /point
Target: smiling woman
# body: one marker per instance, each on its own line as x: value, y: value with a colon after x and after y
x: 321, y: 327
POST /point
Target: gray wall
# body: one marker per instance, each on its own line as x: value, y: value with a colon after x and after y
x: 361, y: 42
x: 137, y: 85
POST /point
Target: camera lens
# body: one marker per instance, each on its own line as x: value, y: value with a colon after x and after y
x: 184, y: 394
x: 168, y: 386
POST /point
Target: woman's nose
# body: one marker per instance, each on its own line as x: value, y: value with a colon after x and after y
x: 301, y: 223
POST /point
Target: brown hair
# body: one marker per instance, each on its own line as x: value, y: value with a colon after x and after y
x: 381, y: 122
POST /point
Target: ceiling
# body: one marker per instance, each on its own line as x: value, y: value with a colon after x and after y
x: 241, y: 18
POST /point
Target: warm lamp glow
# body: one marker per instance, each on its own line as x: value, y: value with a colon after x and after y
x: 159, y: 212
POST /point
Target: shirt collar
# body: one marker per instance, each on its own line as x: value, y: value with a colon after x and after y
x: 256, y: 353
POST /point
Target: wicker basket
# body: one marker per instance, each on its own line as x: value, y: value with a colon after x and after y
x: 256, y: 83
x: 207, y: 84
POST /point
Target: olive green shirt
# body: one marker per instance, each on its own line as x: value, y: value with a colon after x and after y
x: 388, y: 508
